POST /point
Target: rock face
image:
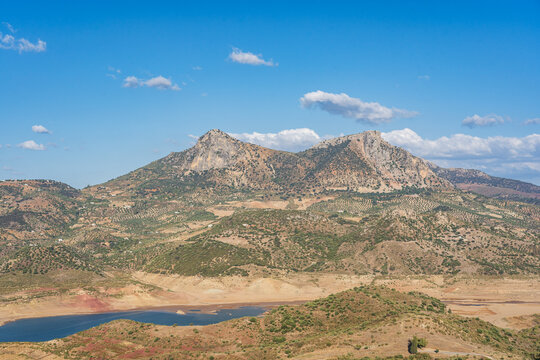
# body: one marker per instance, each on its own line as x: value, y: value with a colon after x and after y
x: 214, y: 150
x: 362, y: 162
x: 366, y: 162
x: 220, y: 160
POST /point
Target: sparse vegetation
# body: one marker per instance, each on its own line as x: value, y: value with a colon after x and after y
x: 356, y: 320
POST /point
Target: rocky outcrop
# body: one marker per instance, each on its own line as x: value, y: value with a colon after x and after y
x: 366, y: 162
x: 214, y: 150
x: 362, y: 162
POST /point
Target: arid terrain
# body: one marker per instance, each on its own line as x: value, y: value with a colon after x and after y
x: 227, y: 223
x: 366, y: 320
x: 505, y: 302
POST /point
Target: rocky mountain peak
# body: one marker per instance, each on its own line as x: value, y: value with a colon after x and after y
x: 366, y: 161
x: 215, y: 137
x: 360, y: 162
x: 214, y: 150
x: 370, y: 136
x: 214, y: 133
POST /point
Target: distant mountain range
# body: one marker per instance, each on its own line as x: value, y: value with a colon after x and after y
x: 362, y: 163
x: 492, y: 186
x: 354, y: 203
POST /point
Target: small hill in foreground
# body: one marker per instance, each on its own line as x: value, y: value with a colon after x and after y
x: 362, y: 322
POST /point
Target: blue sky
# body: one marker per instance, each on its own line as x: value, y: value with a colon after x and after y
x: 116, y: 85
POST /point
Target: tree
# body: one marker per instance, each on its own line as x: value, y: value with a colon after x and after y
x: 415, y: 344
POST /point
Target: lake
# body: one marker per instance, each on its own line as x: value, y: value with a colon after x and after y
x: 54, y: 327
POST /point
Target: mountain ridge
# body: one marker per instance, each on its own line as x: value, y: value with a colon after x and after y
x: 491, y: 186
x: 355, y: 204
x: 361, y: 162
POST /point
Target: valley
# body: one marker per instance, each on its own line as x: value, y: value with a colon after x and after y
x: 227, y: 223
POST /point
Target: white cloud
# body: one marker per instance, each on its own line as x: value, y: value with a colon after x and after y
x: 40, y: 129
x: 25, y: 45
x: 242, y: 57
x: 131, y: 82
x: 477, y: 120
x: 514, y: 157
x: 290, y: 140
x: 535, y: 121
x: 197, y: 68
x: 349, y: 107
x: 10, y: 42
x: 424, y: 77
x: 31, y: 145
x: 461, y: 146
x: 113, y: 72
x: 158, y: 82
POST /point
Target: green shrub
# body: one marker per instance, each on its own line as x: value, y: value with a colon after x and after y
x: 415, y: 344
x: 278, y: 339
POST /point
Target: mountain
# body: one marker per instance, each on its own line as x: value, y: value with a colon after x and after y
x: 226, y: 212
x: 353, y: 204
x: 398, y: 234
x: 365, y: 162
x: 362, y: 163
x: 492, y: 186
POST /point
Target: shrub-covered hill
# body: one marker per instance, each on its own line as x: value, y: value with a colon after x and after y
x: 36, y: 209
x: 364, y: 322
x: 393, y: 235
x: 410, y: 232
x: 42, y: 259
x: 482, y: 183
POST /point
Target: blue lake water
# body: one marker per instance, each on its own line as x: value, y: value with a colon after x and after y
x: 54, y: 327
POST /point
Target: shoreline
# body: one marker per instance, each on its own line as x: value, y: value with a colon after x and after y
x: 184, y: 308
x: 502, y: 301
x: 209, y: 308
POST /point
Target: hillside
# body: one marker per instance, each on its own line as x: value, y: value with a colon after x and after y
x: 35, y: 211
x: 386, y: 234
x: 366, y: 321
x: 353, y: 204
x: 492, y: 186
x: 231, y: 220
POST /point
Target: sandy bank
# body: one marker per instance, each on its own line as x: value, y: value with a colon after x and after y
x: 491, y: 299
